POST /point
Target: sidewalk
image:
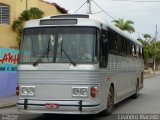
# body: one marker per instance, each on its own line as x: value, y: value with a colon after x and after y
x: 7, y: 101
x: 151, y: 75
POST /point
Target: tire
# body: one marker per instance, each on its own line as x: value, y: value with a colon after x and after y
x: 110, y: 103
x: 135, y: 96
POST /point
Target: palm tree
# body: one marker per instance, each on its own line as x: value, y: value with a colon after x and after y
x: 124, y: 25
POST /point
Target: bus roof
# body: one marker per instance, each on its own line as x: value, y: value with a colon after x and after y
x: 82, y: 20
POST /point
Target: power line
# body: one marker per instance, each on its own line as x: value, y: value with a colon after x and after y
x: 97, y: 12
x: 80, y: 7
x: 103, y: 10
x: 110, y: 15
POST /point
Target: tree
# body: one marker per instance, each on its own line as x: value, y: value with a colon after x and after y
x: 146, y: 51
x: 146, y: 36
x: 158, y: 51
x: 17, y: 25
x: 149, y: 47
x: 124, y: 25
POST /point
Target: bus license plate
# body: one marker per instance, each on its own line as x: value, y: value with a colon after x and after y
x: 51, y: 106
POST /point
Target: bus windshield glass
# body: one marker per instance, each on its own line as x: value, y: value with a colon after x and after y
x: 51, y: 44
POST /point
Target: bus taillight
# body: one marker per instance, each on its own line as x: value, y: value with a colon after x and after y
x: 17, y: 90
x: 93, y: 92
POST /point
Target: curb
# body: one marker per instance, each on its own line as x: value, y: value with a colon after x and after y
x: 151, y: 76
x: 7, y: 101
x: 7, y: 105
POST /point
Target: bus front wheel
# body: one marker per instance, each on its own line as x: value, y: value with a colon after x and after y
x: 110, y: 102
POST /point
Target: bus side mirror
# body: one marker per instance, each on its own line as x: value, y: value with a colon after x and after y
x: 103, y: 37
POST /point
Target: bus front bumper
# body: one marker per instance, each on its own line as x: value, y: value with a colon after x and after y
x: 62, y: 106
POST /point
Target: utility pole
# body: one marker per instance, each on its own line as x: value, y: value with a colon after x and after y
x: 155, y: 50
x: 89, y: 7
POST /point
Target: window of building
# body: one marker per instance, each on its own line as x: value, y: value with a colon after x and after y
x: 4, y: 14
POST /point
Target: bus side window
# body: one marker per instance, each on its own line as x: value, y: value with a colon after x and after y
x: 104, y: 49
x: 113, y: 40
x: 142, y: 52
x: 128, y: 45
x: 137, y: 51
x: 124, y: 47
x: 121, y: 44
x: 133, y: 50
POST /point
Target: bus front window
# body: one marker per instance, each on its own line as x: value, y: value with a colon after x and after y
x: 78, y: 42
x: 34, y: 44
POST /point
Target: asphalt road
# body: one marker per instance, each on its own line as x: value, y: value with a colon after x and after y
x: 147, y: 103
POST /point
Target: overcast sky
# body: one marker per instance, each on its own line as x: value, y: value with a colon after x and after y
x: 144, y: 13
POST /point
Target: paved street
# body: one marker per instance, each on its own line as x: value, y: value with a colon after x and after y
x: 148, y: 102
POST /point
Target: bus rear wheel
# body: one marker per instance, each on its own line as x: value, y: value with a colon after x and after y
x: 135, y: 96
x: 110, y: 103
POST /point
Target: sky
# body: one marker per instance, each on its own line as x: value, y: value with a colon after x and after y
x: 144, y: 13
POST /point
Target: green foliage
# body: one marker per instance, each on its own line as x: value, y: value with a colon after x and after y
x: 151, y: 48
x: 146, y: 36
x: 35, y: 13
x: 124, y: 25
x: 145, y: 50
x: 17, y: 25
x: 158, y: 51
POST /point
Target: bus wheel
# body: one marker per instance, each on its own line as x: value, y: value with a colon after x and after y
x: 110, y: 102
x: 135, y: 96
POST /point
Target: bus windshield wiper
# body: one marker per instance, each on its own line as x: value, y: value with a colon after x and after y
x: 46, y: 52
x: 73, y: 63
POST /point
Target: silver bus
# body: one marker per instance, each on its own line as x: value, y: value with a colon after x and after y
x: 77, y: 64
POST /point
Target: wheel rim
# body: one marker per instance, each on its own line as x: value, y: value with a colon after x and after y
x: 110, y: 101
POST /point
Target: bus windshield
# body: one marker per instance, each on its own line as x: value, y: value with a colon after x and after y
x: 79, y: 43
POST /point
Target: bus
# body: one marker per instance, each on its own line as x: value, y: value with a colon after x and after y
x: 77, y: 64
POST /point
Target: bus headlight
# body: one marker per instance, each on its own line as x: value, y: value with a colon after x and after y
x: 79, y: 91
x: 75, y: 91
x: 84, y: 92
x: 31, y: 91
x: 27, y: 90
x: 23, y: 91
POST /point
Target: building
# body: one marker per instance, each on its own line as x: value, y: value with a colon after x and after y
x: 11, y: 9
